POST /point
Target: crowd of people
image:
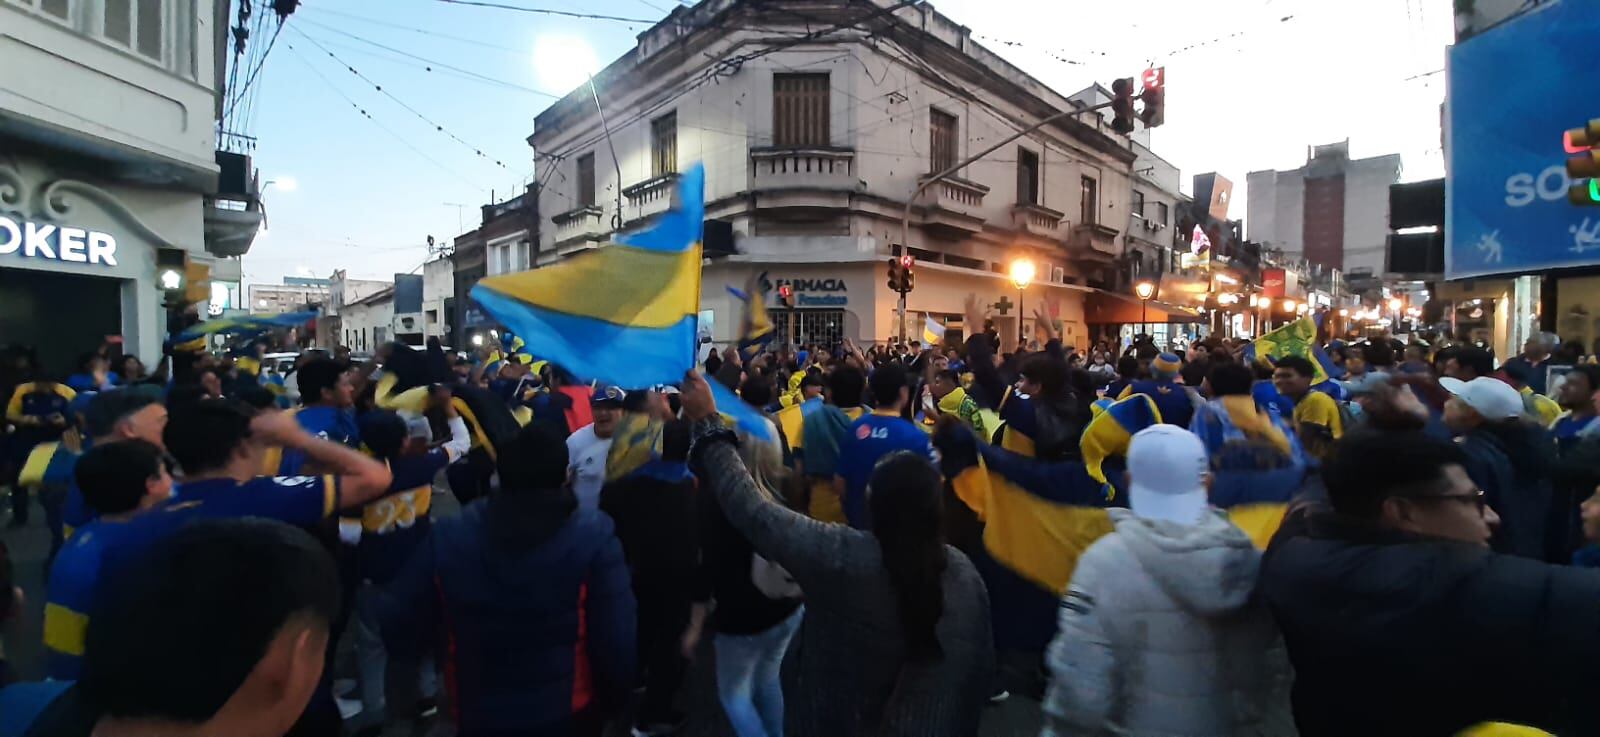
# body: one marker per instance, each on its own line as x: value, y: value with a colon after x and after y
x: 1360, y: 538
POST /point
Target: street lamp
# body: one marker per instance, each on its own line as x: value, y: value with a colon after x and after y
x: 287, y: 184
x: 1022, y: 272
x: 1144, y: 290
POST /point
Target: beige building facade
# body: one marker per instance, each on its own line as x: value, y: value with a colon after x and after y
x: 812, y: 149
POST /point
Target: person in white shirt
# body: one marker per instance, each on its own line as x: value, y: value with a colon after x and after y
x: 588, y: 447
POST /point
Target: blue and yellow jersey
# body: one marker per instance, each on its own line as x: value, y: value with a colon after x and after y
x: 328, y: 423
x: 53, y: 463
x: 1172, y: 398
x: 70, y: 596
x: 102, y: 546
x: 392, y: 525
x: 30, y: 408
x: 303, y: 501
x: 870, y: 438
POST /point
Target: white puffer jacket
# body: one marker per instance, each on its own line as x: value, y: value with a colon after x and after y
x: 1161, y: 636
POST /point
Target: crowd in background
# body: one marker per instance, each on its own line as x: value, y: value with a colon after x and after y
x: 1368, y: 537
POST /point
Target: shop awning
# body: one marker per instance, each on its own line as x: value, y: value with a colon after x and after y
x: 1102, y: 307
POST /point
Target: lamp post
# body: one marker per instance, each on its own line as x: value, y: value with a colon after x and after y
x: 1022, y: 271
x: 1144, y: 290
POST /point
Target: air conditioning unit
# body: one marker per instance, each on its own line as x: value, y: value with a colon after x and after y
x: 1149, y: 225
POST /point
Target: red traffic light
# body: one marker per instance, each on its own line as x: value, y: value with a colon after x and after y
x: 1154, y: 97
x: 1155, y: 78
x: 906, y: 261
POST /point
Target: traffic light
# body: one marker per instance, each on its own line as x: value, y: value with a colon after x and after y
x: 786, y: 296
x: 172, y: 273
x: 1122, y: 105
x: 1584, y: 168
x: 908, y: 277
x: 1154, y: 97
x: 896, y: 276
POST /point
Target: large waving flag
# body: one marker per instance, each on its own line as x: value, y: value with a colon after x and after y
x: 1298, y: 338
x: 622, y: 314
x: 246, y: 325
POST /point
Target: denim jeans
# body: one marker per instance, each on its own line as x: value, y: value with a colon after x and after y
x: 747, y: 677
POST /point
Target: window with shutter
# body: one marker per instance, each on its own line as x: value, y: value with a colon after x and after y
x: 664, y: 145
x: 800, y: 110
x: 1027, y: 177
x: 1089, y: 205
x: 586, y: 194
x: 944, y: 131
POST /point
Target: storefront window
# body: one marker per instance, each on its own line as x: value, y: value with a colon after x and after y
x: 822, y: 327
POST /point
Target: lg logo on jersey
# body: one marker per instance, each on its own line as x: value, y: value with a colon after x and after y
x: 1551, y: 185
x: 877, y: 433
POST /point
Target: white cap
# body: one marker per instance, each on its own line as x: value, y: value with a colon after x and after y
x: 1167, y: 468
x: 1492, y: 398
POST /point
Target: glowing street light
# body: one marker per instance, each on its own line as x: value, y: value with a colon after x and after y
x: 1289, y: 305
x: 1144, y: 290
x: 1022, y: 273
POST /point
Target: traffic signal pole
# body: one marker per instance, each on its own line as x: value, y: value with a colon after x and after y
x: 905, y: 215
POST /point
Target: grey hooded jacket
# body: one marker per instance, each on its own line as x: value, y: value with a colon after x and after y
x: 1161, y: 635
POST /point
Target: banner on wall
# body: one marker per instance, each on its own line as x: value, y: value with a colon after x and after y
x: 1511, y: 97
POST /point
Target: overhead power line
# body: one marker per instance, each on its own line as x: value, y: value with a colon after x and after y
x: 400, y: 102
x: 423, y: 31
x: 440, y: 64
x: 362, y: 111
x: 553, y: 11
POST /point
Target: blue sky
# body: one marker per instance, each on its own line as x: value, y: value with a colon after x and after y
x: 1250, y: 84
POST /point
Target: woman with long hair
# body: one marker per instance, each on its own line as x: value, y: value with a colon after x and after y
x: 896, y: 636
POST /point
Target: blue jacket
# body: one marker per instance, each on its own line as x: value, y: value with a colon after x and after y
x: 531, y: 600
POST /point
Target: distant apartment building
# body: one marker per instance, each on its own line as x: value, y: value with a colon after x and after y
x: 1333, y: 212
x: 295, y: 293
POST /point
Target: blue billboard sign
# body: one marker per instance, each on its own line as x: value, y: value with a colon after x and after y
x: 1513, y: 91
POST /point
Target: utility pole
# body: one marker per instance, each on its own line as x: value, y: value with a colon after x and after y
x: 905, y: 215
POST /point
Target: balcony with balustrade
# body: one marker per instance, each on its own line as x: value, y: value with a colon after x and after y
x: 1038, y: 221
x: 954, y: 206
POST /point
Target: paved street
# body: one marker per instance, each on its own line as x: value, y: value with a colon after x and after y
x: 1017, y: 717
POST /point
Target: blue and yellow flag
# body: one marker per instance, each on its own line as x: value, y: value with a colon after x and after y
x: 932, y: 331
x: 625, y: 313
x: 756, y: 330
x: 247, y: 325
x: 1298, y: 338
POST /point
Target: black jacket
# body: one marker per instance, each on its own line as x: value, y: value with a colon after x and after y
x: 1512, y: 463
x: 1393, y: 634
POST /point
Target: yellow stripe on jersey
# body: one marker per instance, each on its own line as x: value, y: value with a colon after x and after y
x: 64, y: 629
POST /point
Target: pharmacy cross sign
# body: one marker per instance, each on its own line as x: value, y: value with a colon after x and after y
x: 1004, y: 305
